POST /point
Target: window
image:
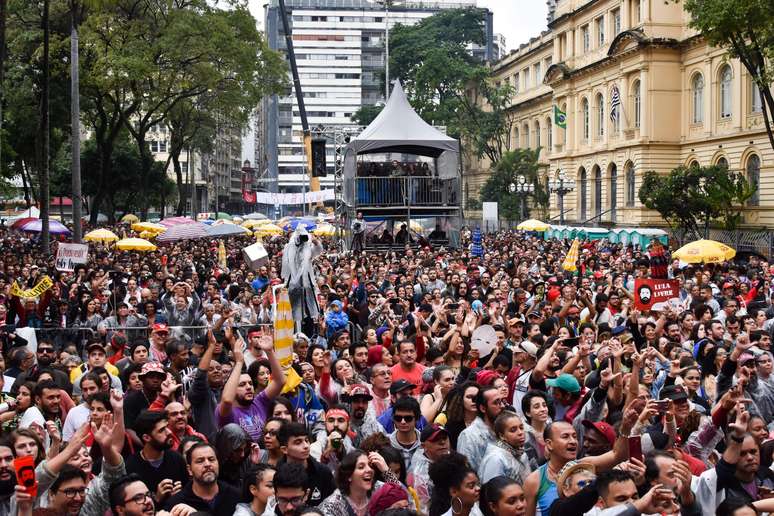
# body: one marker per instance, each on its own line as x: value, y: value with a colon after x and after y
x: 630, y: 185
x: 516, y: 83
x: 549, y: 61
x: 525, y: 134
x: 154, y: 146
x: 184, y: 167
x: 755, y: 98
x: 637, y: 94
x: 600, y: 115
x: 526, y: 78
x: 516, y: 141
x: 722, y: 162
x: 537, y: 135
x: 613, y: 188
x: 636, y: 12
x: 697, y: 97
x: 549, y: 128
x: 163, y: 146
x: 537, y: 75
x: 585, y: 109
x: 754, y: 178
x: 583, y: 194
x: 600, y: 23
x: 725, y: 92
x: 616, y: 22
x: 597, y: 190
x: 586, y: 38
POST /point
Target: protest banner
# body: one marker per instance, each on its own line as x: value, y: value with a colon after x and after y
x: 655, y: 294
x: 70, y: 255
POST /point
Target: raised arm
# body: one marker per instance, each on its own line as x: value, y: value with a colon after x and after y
x: 266, y: 343
x: 229, y: 391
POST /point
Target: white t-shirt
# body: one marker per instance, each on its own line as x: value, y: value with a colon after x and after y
x: 76, y: 418
x: 521, y: 386
x: 33, y: 416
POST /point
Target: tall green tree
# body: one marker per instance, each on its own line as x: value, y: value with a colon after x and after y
x: 515, y: 163
x: 690, y: 199
x: 744, y: 29
x: 448, y: 86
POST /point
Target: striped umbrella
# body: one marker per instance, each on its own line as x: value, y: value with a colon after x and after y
x: 54, y: 227
x: 572, y: 257
x: 224, y: 230
x: 21, y: 222
x: 176, y: 221
x: 183, y: 232
x: 283, y: 328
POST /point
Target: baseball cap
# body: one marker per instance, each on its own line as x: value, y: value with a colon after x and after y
x: 360, y: 390
x: 564, y: 381
x: 432, y: 433
x: 618, y: 330
x: 425, y: 308
x: 603, y: 428
x: 152, y: 367
x: 95, y: 345
x: 728, y: 284
x: 674, y: 392
x: 401, y: 385
x: 527, y: 347
x: 745, y: 357
x: 161, y: 327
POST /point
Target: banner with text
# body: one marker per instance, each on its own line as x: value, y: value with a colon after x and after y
x: 70, y: 255
x: 293, y: 198
x: 655, y: 294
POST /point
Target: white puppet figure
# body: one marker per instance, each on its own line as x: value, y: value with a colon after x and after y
x: 298, y: 273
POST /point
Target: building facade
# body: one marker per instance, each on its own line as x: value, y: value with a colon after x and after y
x: 340, y: 52
x: 678, y: 101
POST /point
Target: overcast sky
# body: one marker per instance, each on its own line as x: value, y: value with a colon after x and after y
x: 517, y: 24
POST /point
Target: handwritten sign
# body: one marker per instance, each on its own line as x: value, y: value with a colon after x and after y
x: 70, y: 255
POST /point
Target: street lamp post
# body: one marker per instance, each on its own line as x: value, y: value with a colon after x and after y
x: 387, y: 4
x: 522, y: 188
x: 561, y: 186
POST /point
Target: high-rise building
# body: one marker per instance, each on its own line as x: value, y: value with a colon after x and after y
x: 340, y: 51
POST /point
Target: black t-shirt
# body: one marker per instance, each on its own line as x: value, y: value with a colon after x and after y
x: 172, y: 467
x: 225, y: 501
x: 134, y: 403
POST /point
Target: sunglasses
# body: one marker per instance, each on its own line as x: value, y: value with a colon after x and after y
x: 583, y: 483
x: 403, y: 419
x: 45, y: 350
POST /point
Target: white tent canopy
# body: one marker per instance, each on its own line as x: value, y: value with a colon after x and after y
x: 399, y: 129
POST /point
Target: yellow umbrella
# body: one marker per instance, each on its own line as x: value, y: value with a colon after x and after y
x: 325, y: 230
x: 130, y: 218
x: 704, y: 251
x: 250, y: 224
x: 100, y: 235
x: 416, y: 226
x: 135, y: 244
x: 533, y: 225
x: 148, y: 226
x: 148, y: 235
x: 269, y: 229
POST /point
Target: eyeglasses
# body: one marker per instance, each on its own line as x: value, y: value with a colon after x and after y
x: 72, y: 492
x: 296, y: 500
x: 45, y: 350
x: 138, y: 498
x: 272, y: 433
x: 406, y: 419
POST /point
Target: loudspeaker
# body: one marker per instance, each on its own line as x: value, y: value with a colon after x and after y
x: 255, y: 256
x: 319, y: 167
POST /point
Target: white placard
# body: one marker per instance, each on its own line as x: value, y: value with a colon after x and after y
x: 70, y: 255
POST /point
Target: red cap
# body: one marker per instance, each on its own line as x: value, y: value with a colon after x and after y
x: 603, y: 428
x: 160, y: 326
x: 598, y: 275
x: 553, y: 294
x: 360, y: 390
x: 728, y: 284
x: 486, y: 377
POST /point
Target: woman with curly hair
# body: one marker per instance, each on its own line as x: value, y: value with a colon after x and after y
x: 455, y: 487
x: 460, y: 410
x: 356, y: 481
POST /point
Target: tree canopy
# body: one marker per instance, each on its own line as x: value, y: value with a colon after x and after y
x: 692, y: 198
x: 515, y: 163
x: 447, y: 85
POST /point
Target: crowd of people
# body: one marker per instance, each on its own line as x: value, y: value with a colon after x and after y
x: 147, y: 383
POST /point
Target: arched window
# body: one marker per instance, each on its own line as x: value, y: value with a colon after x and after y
x: 754, y: 177
x: 723, y: 162
x: 613, y: 189
x: 525, y: 135
x: 584, y: 180
x: 600, y: 115
x: 585, y: 109
x: 630, y: 185
x: 693, y: 164
x: 597, y: 173
x: 550, y: 128
x: 516, y: 142
x: 697, y: 96
x: 637, y: 98
x: 725, y: 92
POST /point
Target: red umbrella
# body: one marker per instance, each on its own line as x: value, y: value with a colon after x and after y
x: 19, y: 223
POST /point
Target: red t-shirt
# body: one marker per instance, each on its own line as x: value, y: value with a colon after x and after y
x: 414, y: 376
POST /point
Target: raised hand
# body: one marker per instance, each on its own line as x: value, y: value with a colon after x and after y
x: 116, y: 400
x: 266, y: 343
x: 104, y: 433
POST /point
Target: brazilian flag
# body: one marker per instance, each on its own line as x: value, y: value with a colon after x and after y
x: 560, y: 117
